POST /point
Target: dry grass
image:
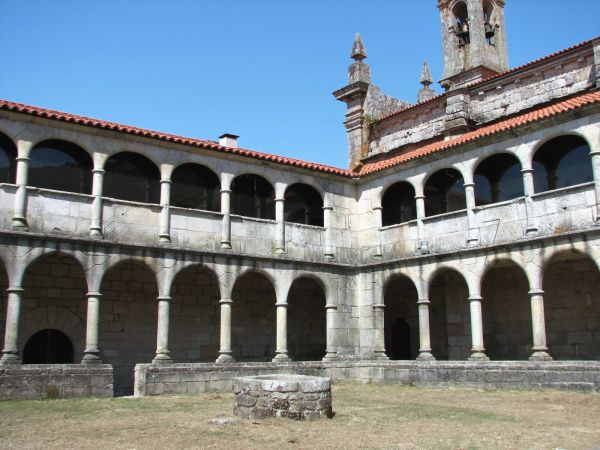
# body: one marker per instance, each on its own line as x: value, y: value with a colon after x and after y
x: 367, y: 416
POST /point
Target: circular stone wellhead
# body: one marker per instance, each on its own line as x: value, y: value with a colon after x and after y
x: 297, y: 397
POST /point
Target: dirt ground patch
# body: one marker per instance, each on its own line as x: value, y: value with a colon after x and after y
x: 367, y: 416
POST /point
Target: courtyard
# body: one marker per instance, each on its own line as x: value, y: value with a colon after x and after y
x: 367, y: 416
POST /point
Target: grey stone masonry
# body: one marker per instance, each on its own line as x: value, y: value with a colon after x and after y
x: 296, y: 397
x: 47, y: 381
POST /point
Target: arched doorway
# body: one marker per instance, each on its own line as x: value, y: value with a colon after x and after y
x: 507, y: 330
x: 48, y: 346
x: 571, y: 288
x: 195, y: 318
x: 253, y: 319
x: 401, y: 323
x: 306, y: 320
x: 128, y: 320
x: 449, y: 316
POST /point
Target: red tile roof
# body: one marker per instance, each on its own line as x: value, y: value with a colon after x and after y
x: 199, y: 143
x: 493, y: 77
x: 553, y: 109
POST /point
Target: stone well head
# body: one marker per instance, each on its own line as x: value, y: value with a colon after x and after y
x: 298, y: 397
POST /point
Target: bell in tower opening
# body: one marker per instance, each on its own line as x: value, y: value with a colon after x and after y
x: 474, y: 40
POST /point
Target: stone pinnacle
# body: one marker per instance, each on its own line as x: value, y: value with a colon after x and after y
x: 358, y: 49
x: 426, y: 78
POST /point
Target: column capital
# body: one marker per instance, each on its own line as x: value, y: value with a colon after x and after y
x: 225, y: 301
x: 93, y: 294
x: 165, y: 181
x: 420, y: 197
x: 423, y: 301
x: 283, y: 304
x: 98, y: 171
x: 15, y: 290
x: 379, y: 306
x: 533, y: 292
x: 225, y: 191
x: 475, y: 298
x: 331, y: 306
x: 22, y: 159
x: 164, y: 298
x: 279, y: 199
x: 595, y: 153
x: 469, y: 185
x: 527, y: 170
x: 377, y: 208
x: 327, y: 208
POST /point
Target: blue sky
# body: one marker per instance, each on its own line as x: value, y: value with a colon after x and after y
x: 263, y: 69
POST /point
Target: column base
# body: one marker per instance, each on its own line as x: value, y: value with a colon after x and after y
x: 19, y: 224
x: 226, y: 245
x: 329, y: 256
x: 282, y: 357
x: 425, y: 356
x: 280, y: 250
x: 162, y: 358
x: 91, y: 358
x: 378, y: 354
x: 540, y: 356
x: 225, y: 358
x: 330, y: 356
x: 10, y: 359
x: 478, y: 357
x: 96, y: 233
x: 165, y: 239
x: 531, y: 230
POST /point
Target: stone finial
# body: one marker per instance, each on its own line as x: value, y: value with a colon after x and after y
x: 358, y: 49
x: 426, y: 92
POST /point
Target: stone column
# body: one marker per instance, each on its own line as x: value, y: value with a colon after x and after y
x: 281, y: 354
x: 165, y: 215
x: 595, y: 154
x: 473, y: 232
x: 378, y: 212
x: 420, y: 206
x: 162, y: 332
x: 540, y: 349
x: 96, y: 220
x: 19, y: 220
x: 477, y: 349
x: 330, y: 352
x: 226, y: 210
x: 91, y: 354
x: 424, y: 331
x: 528, y: 189
x: 280, y: 228
x: 329, y: 252
x: 10, y: 353
x: 225, y: 339
x: 379, y: 331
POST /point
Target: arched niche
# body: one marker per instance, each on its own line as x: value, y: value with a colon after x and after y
x: 461, y: 23
x: 398, y: 204
x: 401, y: 320
x: 60, y: 165
x: 303, y: 204
x: 252, y: 196
x: 498, y: 178
x: 8, y: 155
x: 306, y: 320
x: 561, y: 162
x: 195, y: 186
x: 444, y: 192
x: 48, y: 346
x: 131, y: 176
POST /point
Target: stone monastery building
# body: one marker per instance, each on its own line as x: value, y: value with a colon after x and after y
x: 461, y: 246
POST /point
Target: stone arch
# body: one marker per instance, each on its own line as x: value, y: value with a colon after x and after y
x: 401, y: 321
x: 195, y: 318
x: 253, y: 319
x: 444, y: 192
x: 498, y: 178
x: 571, y: 285
x: 449, y: 314
x: 54, y: 297
x: 8, y: 155
x: 131, y: 176
x: 303, y: 204
x: 398, y: 204
x: 60, y: 165
x: 561, y: 161
x: 195, y: 186
x: 252, y: 196
x: 506, y: 310
x: 306, y: 319
x: 128, y: 319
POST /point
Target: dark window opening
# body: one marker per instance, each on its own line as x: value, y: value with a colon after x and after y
x: 398, y: 204
x: 195, y: 186
x: 561, y: 162
x: 253, y: 196
x: 48, y: 347
x: 490, y: 28
x: 461, y: 26
x: 8, y: 154
x: 303, y: 204
x: 133, y: 177
x: 61, y: 166
x: 498, y: 178
x: 444, y: 192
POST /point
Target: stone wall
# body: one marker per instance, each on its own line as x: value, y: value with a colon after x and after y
x: 45, y: 381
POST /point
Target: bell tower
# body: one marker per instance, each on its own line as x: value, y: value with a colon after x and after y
x: 474, y: 40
